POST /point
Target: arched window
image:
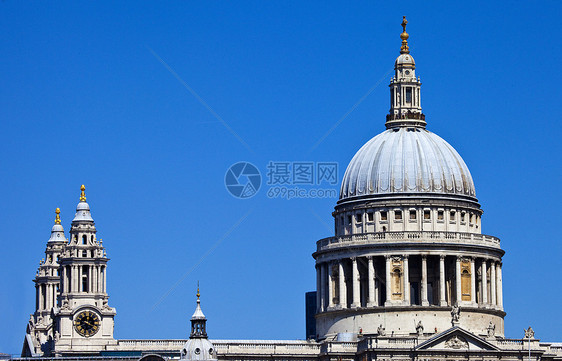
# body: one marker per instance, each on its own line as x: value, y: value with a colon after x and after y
x: 84, y: 239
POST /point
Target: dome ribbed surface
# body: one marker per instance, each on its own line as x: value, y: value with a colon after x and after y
x: 406, y: 160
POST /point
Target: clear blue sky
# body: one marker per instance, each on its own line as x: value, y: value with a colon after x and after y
x: 84, y: 99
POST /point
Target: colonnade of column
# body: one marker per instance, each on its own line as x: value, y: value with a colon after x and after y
x: 73, y: 275
x: 354, y: 282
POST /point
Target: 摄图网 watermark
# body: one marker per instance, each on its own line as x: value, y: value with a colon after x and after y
x: 285, y: 179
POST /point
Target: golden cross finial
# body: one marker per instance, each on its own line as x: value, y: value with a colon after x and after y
x: 83, y: 194
x: 404, y: 49
x: 198, y: 294
x: 57, y: 218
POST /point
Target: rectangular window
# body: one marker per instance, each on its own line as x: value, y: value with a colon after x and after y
x: 383, y: 216
x: 349, y: 219
x: 370, y: 216
x: 358, y: 218
x: 462, y: 216
x: 453, y: 214
x: 413, y: 215
x: 408, y: 95
x: 440, y: 215
x: 426, y: 214
x: 398, y: 215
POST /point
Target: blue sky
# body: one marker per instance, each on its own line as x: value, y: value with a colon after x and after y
x: 86, y: 97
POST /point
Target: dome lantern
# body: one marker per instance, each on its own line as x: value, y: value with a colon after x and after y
x: 405, y: 89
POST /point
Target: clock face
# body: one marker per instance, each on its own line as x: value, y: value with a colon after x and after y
x: 87, y: 323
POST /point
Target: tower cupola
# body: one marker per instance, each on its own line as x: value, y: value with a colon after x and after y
x: 198, y: 347
x: 405, y: 95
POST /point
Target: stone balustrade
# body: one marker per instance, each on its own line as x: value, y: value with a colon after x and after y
x: 407, y: 237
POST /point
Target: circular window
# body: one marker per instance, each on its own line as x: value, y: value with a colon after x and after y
x: 211, y: 350
x: 197, y: 351
x: 407, y: 72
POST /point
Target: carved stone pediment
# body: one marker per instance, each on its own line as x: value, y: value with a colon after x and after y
x: 456, y: 338
x: 456, y: 342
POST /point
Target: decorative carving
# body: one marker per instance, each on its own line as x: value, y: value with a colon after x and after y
x: 381, y: 331
x: 419, y: 329
x: 529, y: 333
x: 456, y: 342
x: 491, y: 329
x: 455, y: 314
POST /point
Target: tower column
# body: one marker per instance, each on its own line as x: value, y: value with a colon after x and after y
x: 500, y: 284
x: 406, y: 281
x: 355, y: 283
x: 318, y: 287
x: 388, y: 281
x: 458, y: 280
x: 323, y: 284
x: 330, y: 286
x: 371, y: 281
x: 472, y: 281
x: 493, y: 283
x: 484, y: 282
x: 342, y: 287
x: 424, y: 301
x: 442, y: 300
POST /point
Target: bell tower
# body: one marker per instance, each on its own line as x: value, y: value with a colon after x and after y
x: 84, y: 319
x: 47, y: 281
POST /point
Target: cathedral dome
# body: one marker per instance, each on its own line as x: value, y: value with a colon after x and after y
x: 406, y: 160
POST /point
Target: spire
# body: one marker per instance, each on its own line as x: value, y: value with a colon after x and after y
x: 404, y: 36
x: 405, y: 89
x: 57, y: 217
x: 82, y: 193
x: 198, y: 320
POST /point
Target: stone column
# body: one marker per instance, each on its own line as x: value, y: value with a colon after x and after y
x: 47, y: 296
x: 493, y: 283
x: 472, y: 281
x: 442, y: 300
x: 458, y: 280
x: 318, y: 285
x: 80, y: 279
x: 388, y: 282
x: 500, y: 284
x: 484, y: 282
x: 406, y: 281
x: 63, y: 280
x: 95, y: 281
x: 323, y: 287
x: 75, y: 281
x: 104, y: 275
x: 371, y: 301
x: 356, y: 300
x: 424, y: 301
x: 343, y: 290
x: 330, y: 286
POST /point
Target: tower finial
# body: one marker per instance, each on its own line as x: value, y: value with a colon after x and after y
x: 404, y: 49
x: 82, y: 193
x: 198, y: 294
x: 57, y: 217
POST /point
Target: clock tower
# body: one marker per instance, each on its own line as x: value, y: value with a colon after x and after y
x: 83, y: 318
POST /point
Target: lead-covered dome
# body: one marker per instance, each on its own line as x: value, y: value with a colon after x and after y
x: 406, y: 160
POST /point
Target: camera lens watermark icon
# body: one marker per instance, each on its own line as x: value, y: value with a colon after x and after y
x: 242, y: 180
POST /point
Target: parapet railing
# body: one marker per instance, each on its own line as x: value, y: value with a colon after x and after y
x: 273, y: 347
x: 407, y: 237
